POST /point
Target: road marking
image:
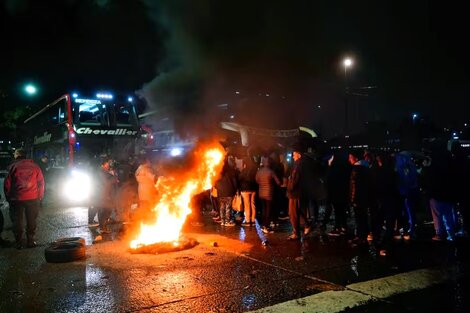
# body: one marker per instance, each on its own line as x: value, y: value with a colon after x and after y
x: 361, y: 293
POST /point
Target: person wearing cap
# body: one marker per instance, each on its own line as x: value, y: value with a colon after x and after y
x: 24, y: 189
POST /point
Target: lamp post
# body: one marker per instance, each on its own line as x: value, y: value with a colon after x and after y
x: 347, y: 63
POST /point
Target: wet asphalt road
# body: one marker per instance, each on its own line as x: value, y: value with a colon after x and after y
x: 238, y: 275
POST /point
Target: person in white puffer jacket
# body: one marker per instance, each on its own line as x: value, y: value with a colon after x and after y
x: 147, y: 192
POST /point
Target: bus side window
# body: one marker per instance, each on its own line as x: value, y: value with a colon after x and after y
x: 63, y: 111
x: 86, y: 116
x: 122, y: 118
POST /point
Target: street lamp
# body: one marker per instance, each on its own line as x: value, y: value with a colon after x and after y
x: 30, y: 89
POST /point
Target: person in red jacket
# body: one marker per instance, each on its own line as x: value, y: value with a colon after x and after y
x: 24, y: 189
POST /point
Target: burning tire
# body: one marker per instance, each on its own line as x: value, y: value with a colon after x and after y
x: 62, y: 252
x: 71, y: 239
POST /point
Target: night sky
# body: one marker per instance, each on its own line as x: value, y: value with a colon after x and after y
x: 275, y: 64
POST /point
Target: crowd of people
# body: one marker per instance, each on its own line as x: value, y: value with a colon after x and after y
x: 373, y: 196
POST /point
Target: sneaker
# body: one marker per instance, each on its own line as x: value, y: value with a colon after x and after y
x: 217, y: 220
x: 293, y: 237
x: 284, y: 218
x: 307, y: 230
x: 267, y: 230
x: 383, y: 252
x: 93, y: 224
x: 406, y: 237
x: 229, y: 224
x: 245, y: 223
x: 438, y: 238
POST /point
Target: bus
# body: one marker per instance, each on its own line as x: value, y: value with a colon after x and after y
x: 75, y: 131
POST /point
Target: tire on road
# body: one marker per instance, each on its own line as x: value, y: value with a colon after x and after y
x: 71, y: 239
x: 62, y: 252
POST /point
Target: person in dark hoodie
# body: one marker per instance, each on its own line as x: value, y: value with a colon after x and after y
x: 359, y: 188
x: 387, y: 195
x: 298, y: 200
x: 337, y: 182
x: 104, y: 199
x: 226, y: 187
x: 248, y: 187
x: 440, y: 185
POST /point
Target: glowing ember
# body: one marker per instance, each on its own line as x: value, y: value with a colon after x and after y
x: 165, y: 247
x: 175, y: 194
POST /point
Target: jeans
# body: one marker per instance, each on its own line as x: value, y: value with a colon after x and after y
x: 249, y: 205
x: 410, y: 203
x: 225, y: 209
x: 266, y: 206
x: 443, y: 217
x: 362, y: 226
x: 295, y: 213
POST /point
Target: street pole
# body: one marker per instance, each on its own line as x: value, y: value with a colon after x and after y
x: 346, y: 113
x: 346, y: 63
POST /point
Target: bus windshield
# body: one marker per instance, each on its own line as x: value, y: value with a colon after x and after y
x: 97, y: 112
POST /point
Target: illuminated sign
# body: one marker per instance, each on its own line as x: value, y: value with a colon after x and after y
x: 46, y: 137
x: 108, y: 132
x: 88, y: 101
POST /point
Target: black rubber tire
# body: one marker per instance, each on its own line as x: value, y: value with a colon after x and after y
x: 71, y: 239
x: 62, y: 252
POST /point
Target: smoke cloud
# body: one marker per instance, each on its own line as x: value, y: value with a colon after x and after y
x: 235, y: 58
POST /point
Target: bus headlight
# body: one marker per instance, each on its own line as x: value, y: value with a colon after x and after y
x: 77, y: 186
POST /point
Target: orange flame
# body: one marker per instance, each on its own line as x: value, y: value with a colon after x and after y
x: 175, y: 197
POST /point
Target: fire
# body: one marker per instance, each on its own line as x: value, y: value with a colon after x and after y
x: 175, y: 196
